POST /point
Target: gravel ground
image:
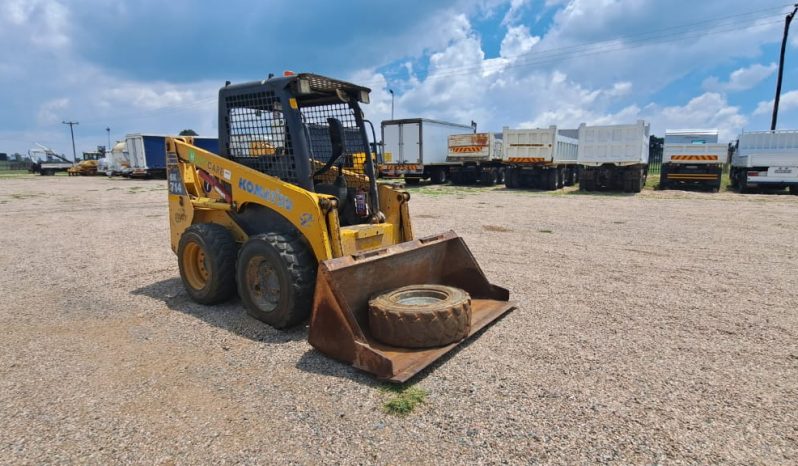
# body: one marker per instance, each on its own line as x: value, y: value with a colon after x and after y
x: 660, y: 327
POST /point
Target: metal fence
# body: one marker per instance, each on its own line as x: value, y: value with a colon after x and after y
x: 9, y: 165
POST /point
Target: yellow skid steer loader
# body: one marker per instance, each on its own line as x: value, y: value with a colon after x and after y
x: 290, y: 216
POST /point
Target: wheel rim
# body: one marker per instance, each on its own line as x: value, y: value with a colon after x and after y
x: 263, y: 284
x: 197, y: 268
x: 419, y: 297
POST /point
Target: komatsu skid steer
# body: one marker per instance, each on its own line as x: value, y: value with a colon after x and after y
x: 290, y: 216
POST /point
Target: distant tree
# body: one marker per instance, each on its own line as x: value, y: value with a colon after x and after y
x: 188, y: 132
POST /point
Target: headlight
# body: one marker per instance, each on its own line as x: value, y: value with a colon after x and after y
x: 304, y: 86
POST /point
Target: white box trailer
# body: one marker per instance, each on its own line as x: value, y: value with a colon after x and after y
x: 475, y: 157
x: 542, y: 158
x: 692, y: 157
x: 613, y: 157
x: 416, y: 148
x: 766, y: 159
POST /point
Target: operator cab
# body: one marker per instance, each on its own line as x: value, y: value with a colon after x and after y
x: 307, y: 130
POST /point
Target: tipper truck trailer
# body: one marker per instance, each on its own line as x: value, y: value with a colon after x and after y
x: 766, y: 159
x: 147, y: 154
x: 416, y: 148
x: 542, y: 158
x: 613, y: 157
x: 475, y: 157
x: 692, y: 157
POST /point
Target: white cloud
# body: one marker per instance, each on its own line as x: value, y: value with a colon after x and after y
x: 517, y: 41
x: 741, y: 79
x: 514, y: 12
x: 709, y: 110
x: 50, y: 111
x: 788, y: 101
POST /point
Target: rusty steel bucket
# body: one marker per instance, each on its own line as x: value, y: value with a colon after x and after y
x: 339, y: 323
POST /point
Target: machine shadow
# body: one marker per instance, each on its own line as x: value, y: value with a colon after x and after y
x: 229, y: 316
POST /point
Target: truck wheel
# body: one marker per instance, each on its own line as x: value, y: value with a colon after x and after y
x: 412, y: 181
x: 276, y: 276
x: 511, y: 178
x: 206, y: 256
x: 420, y: 316
x: 551, y: 178
x: 439, y: 176
x: 500, y: 176
x: 488, y: 177
x: 794, y: 190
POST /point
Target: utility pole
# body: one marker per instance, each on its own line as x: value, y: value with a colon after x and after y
x: 72, y: 132
x: 108, y: 130
x: 787, y: 22
x: 391, y: 91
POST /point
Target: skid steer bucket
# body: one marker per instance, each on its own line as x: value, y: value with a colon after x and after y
x: 339, y: 323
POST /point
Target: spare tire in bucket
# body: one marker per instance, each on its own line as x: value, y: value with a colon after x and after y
x: 420, y: 316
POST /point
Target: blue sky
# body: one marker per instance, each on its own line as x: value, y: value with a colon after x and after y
x: 152, y: 66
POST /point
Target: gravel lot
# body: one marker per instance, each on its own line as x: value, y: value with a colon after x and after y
x: 660, y: 327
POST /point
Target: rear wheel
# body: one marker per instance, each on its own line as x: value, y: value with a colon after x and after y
x: 488, y: 177
x: 412, y: 181
x: 206, y: 256
x: 439, y: 176
x: 276, y: 276
x: 794, y: 190
x: 511, y: 178
x: 551, y: 179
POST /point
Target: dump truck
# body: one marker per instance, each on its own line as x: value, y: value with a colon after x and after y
x: 147, y: 154
x: 299, y: 228
x: 475, y: 157
x: 417, y: 148
x: 540, y: 158
x: 692, y: 157
x: 765, y: 159
x: 613, y: 157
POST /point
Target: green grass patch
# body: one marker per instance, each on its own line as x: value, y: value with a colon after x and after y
x: 403, y: 400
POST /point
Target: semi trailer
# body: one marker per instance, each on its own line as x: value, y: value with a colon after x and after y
x: 147, y: 154
x: 613, y: 157
x: 475, y: 157
x: 766, y: 159
x: 692, y: 157
x: 417, y: 148
x: 542, y: 158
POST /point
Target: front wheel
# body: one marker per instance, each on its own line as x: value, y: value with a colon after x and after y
x: 276, y: 276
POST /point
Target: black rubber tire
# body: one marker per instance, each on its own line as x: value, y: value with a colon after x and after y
x: 511, y: 178
x: 294, y: 266
x: 412, y: 181
x: 550, y: 177
x: 793, y: 190
x: 444, y: 320
x: 488, y: 177
x: 439, y: 176
x: 219, y: 248
x: 500, y: 176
